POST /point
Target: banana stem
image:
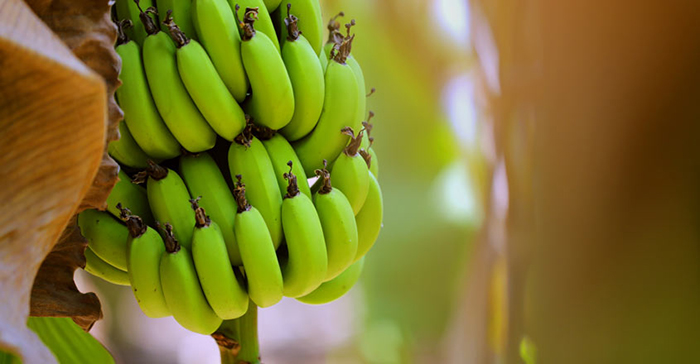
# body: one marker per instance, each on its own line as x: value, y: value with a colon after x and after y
x: 228, y: 337
x: 250, y: 348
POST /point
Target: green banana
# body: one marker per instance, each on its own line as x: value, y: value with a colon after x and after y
x: 131, y: 196
x: 203, y: 178
x: 265, y: 284
x: 182, y: 290
x: 182, y: 15
x: 338, y: 222
x: 140, y: 113
x: 127, y: 9
x: 205, y: 86
x: 101, y: 269
x: 366, y: 150
x: 350, y: 172
x: 264, y: 21
x: 306, y: 75
x: 308, y: 262
x: 272, y: 5
x: 272, y: 101
x: 146, y: 248
x: 247, y: 156
x: 326, y: 141
x: 223, y: 292
x: 371, y: 159
x: 369, y: 219
x: 335, y: 288
x: 174, y: 104
x: 126, y: 151
x: 218, y: 34
x: 169, y: 200
x: 310, y: 22
x: 280, y: 152
x: 106, y: 236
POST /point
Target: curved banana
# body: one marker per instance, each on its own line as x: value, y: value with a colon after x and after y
x: 369, y: 219
x: 203, y: 178
x: 204, y: 85
x: 223, y: 292
x: 248, y: 157
x: 101, y: 269
x: 145, y: 250
x: 262, y: 269
x: 281, y: 152
x: 326, y: 141
x: 335, y: 288
x: 169, y: 200
x: 350, y: 172
x: 182, y: 290
x: 218, y: 34
x: 310, y: 22
x: 140, y: 113
x: 264, y: 21
x: 126, y: 151
x: 128, y: 9
x: 174, y: 104
x: 338, y: 222
x: 106, y: 236
x: 272, y: 100
x: 306, y: 75
x: 182, y: 15
x: 308, y: 262
x: 131, y: 196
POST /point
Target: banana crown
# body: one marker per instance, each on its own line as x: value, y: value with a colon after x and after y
x: 147, y: 21
x: 200, y: 216
x: 293, y: 187
x: 249, y: 17
x: 134, y: 223
x: 122, y: 25
x: 176, y: 34
x: 239, y: 195
x: 290, y: 21
x: 325, y: 176
x: 171, y: 244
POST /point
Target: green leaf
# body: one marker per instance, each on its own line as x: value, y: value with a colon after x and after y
x: 68, y: 342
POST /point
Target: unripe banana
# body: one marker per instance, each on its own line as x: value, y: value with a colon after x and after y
x: 218, y: 34
x: 264, y: 23
x: 335, y: 288
x: 366, y: 150
x: 272, y: 5
x: 101, y: 269
x: 272, y: 101
x: 131, y: 196
x: 174, y: 104
x: 248, y: 157
x: 182, y: 15
x: 203, y: 178
x: 146, y: 248
x: 223, y: 292
x: 106, y: 236
x: 372, y: 161
x: 310, y: 22
x: 369, y: 219
x: 306, y: 75
x: 140, y: 113
x: 350, y: 172
x: 338, y: 222
x: 308, y: 262
x: 126, y: 151
x: 127, y: 9
x: 204, y: 85
x: 280, y: 152
x: 169, y: 200
x: 262, y: 269
x: 182, y: 290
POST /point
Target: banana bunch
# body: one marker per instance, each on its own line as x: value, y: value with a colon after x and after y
x: 248, y: 172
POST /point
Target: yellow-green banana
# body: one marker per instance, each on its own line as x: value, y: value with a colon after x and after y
x: 205, y: 86
x: 308, y: 262
x: 140, y: 113
x: 272, y: 5
x: 174, y: 104
x: 350, y: 172
x: 218, y: 34
x: 131, y: 196
x: 262, y: 269
x: 369, y: 219
x: 281, y: 152
x: 306, y: 75
x: 127, y: 9
x: 169, y: 200
x: 264, y: 23
x: 182, y: 290
x: 223, y: 292
x: 146, y: 248
x: 106, y: 236
x: 271, y: 103
x: 335, y: 288
x: 338, y: 222
x: 203, y: 178
x: 310, y: 22
x: 101, y: 269
x: 182, y: 15
x: 326, y: 141
x: 247, y: 157
x: 126, y: 151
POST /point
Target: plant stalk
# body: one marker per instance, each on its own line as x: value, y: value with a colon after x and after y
x: 250, y: 348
